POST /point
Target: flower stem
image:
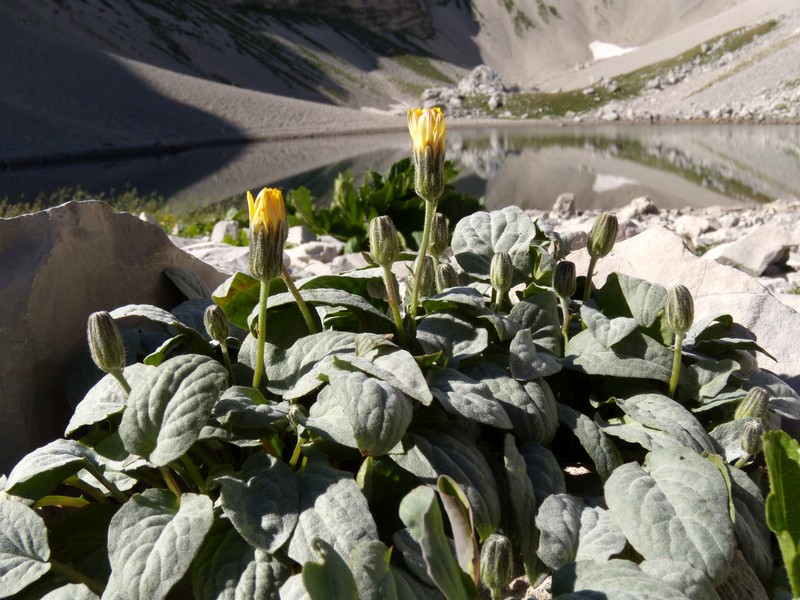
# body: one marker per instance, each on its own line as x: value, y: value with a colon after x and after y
x: 587, y: 285
x: 311, y: 323
x: 194, y: 473
x: 86, y: 488
x: 262, y: 332
x: 742, y: 461
x: 170, y: 481
x: 70, y: 573
x: 430, y: 210
x: 64, y: 501
x: 227, y: 359
x: 109, y: 486
x: 676, y: 365
x: 117, y: 373
x: 566, y: 320
x: 391, y: 292
x: 295, y: 454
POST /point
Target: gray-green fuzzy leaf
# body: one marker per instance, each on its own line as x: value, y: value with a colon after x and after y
x: 539, y: 313
x: 664, y: 414
x: 482, y: 235
x: 229, y: 568
x: 106, y: 398
x: 331, y: 578
x: 597, y: 444
x: 783, y: 399
x: 636, y: 433
x: 324, y: 296
x: 71, y: 591
x: 607, y: 331
x: 245, y: 408
x: 615, y: 579
x: 397, y: 368
x: 332, y: 508
x: 644, y: 299
x: 153, y: 539
x: 369, y: 564
x: 378, y: 413
x: 262, y: 501
x: 327, y: 418
x: 682, y: 576
x: 522, y: 529
x: 677, y: 509
x: 531, y: 407
x: 24, y: 551
x: 169, y: 407
x: 543, y: 471
x: 526, y: 363
x: 456, y: 338
x: 461, y: 395
x: 750, y: 524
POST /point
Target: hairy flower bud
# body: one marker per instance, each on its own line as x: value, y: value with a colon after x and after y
x: 564, y: 282
x: 754, y: 405
x: 383, y: 243
x: 679, y: 309
x: 439, y: 235
x: 750, y: 438
x: 428, y: 133
x: 427, y: 277
x: 496, y: 562
x: 501, y: 271
x: 446, y: 277
x: 603, y: 235
x: 216, y: 323
x: 105, y: 342
x: 268, y: 231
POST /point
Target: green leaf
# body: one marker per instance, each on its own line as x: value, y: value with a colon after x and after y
x: 38, y: 473
x: 605, y: 330
x: 419, y: 511
x: 782, y: 455
x: 677, y: 509
x: 682, y: 576
x: 331, y: 578
x: 460, y: 395
x: 325, y: 297
x: 106, y: 398
x: 333, y: 509
x: 571, y: 530
x: 527, y: 364
x: 169, y: 407
x: 246, y: 408
x: 638, y: 355
x: 378, y: 413
x: 616, y: 578
x: 394, y: 366
x: 543, y: 471
x: 262, y: 501
x: 24, y: 553
x: 597, y: 444
x: 459, y: 513
x: 455, y: 338
x: 750, y: 524
x: 539, y: 313
x: 327, y: 418
x: 531, y: 407
x: 664, y: 414
x: 642, y: 299
x: 522, y: 527
x: 728, y: 438
x: 369, y: 564
x: 229, y: 568
x: 237, y: 296
x: 71, y: 591
x: 188, y: 282
x: 482, y: 235
x: 783, y: 399
x: 195, y: 340
x: 153, y: 539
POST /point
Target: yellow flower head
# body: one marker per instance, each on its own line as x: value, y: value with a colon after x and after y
x: 267, y: 211
x: 427, y: 128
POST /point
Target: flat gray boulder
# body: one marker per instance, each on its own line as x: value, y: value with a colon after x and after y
x: 660, y: 256
x: 56, y: 268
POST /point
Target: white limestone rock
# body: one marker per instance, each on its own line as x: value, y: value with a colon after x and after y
x: 223, y: 229
x: 760, y: 248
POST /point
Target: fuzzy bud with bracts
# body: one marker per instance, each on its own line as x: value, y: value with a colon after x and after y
x: 384, y: 246
x: 105, y: 342
x: 501, y: 272
x: 564, y: 282
x: 679, y: 309
x: 754, y: 405
x: 603, y: 235
x: 446, y: 277
x: 750, y: 439
x: 268, y: 231
x: 216, y: 323
x: 439, y: 235
x: 496, y: 563
x: 427, y: 277
x: 429, y: 134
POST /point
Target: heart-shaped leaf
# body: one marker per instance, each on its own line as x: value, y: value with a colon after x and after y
x: 460, y: 395
x: 607, y: 331
x: 682, y: 576
x: 599, y: 446
x: 394, y: 366
x: 539, y: 314
x: 456, y: 338
x: 526, y: 363
x: 522, y: 530
x: 642, y: 299
x: 615, y: 578
x: 24, y: 552
x: 369, y: 564
x: 331, y: 578
x: 637, y: 355
x: 170, y: 406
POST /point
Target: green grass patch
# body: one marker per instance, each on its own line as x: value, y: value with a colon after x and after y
x: 421, y: 65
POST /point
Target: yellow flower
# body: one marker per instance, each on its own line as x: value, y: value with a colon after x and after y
x: 429, y: 134
x: 268, y: 231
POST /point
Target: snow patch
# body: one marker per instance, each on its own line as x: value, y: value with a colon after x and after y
x: 607, y: 183
x: 601, y: 50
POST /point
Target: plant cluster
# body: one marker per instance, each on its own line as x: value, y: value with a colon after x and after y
x: 275, y: 439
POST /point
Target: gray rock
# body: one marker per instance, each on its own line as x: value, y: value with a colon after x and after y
x: 58, y: 267
x: 637, y: 208
x: 223, y: 257
x: 660, y: 256
x: 148, y: 218
x: 757, y: 250
x: 564, y: 205
x: 223, y: 229
x: 482, y: 80
x: 691, y: 226
x: 319, y: 251
x: 300, y: 234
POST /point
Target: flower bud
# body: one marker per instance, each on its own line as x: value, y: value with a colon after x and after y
x: 446, y: 277
x: 383, y: 243
x: 603, y: 235
x: 268, y: 231
x: 216, y: 323
x: 497, y: 562
x: 439, y: 235
x: 754, y: 405
x: 750, y: 438
x: 105, y: 342
x: 679, y: 309
x: 427, y: 277
x: 501, y: 272
x: 428, y: 133
x: 564, y: 282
